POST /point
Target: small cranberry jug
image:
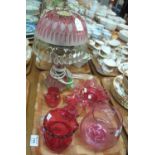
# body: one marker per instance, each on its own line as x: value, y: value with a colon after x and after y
x: 59, y: 126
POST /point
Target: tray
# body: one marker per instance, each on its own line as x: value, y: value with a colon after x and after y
x: 28, y: 67
x: 121, y: 100
x: 27, y: 90
x: 99, y: 69
x: 107, y: 82
x: 77, y: 147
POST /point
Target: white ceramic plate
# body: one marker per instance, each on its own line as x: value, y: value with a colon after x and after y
x: 99, y: 42
x: 97, y: 48
x: 123, y: 68
x: 110, y: 12
x: 117, y: 19
x: 110, y: 62
x: 124, y: 51
x: 123, y: 35
x: 105, y: 49
x: 105, y: 69
x: 122, y: 26
x: 95, y: 53
x: 114, y: 43
x: 121, y: 20
x: 113, y: 55
x: 107, y: 34
x: 108, y: 23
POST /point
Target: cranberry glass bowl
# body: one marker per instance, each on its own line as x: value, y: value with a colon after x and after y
x: 101, y: 127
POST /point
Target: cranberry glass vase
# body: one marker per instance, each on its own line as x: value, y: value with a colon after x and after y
x: 59, y: 127
x: 101, y: 127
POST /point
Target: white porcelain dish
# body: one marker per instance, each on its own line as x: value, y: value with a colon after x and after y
x: 107, y: 34
x: 106, y: 69
x: 105, y: 50
x: 95, y: 53
x: 96, y: 34
x: 124, y: 51
x: 101, y: 11
x: 112, y: 55
x: 100, y: 27
x: 110, y: 62
x: 123, y: 35
x: 122, y: 27
x: 114, y: 42
x: 117, y: 19
x: 99, y: 42
x: 89, y: 13
x: 110, y: 12
x: 108, y: 24
x: 123, y: 68
x: 121, y: 20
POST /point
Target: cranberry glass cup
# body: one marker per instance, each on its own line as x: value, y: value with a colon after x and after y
x: 101, y: 127
x: 59, y: 127
x: 52, y: 97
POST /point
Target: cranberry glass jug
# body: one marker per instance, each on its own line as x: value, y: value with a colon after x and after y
x: 59, y: 126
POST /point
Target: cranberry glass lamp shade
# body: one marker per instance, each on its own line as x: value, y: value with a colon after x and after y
x: 62, y: 28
